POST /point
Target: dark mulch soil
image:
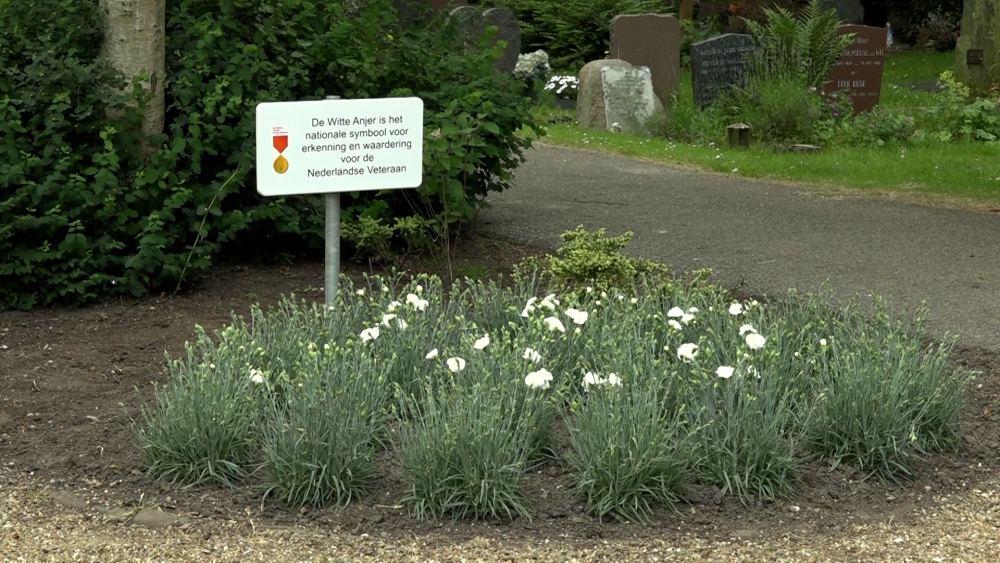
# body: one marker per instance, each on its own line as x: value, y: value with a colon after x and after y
x: 72, y: 380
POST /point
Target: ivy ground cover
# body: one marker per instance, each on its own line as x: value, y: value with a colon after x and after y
x: 659, y: 386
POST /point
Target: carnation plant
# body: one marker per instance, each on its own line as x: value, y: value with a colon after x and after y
x: 659, y: 381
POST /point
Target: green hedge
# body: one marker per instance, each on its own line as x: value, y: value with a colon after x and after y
x: 84, y: 213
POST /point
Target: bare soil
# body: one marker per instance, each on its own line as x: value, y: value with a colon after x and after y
x: 72, y: 381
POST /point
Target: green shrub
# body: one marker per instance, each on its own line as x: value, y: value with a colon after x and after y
x: 82, y: 215
x: 686, y: 123
x: 784, y: 109
x: 572, y: 32
x: 878, y: 128
x: 591, y: 258
x: 71, y: 139
x: 959, y: 116
x: 746, y: 441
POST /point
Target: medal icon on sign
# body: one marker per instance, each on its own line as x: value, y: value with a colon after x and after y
x: 280, y: 142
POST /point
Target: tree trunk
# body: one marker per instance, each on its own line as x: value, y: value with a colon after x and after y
x: 687, y: 10
x: 980, y: 32
x: 134, y: 43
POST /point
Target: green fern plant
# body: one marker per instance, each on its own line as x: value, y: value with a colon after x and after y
x: 807, y: 46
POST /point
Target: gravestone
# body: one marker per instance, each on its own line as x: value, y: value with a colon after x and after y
x: 509, y: 31
x: 472, y: 23
x: 652, y: 41
x: 421, y: 11
x: 849, y: 11
x: 859, y: 68
x: 718, y: 64
x: 469, y: 21
x: 977, y: 55
x: 615, y: 95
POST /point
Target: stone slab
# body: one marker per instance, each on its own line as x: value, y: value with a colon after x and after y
x: 509, y: 31
x: 718, y: 64
x: 860, y: 67
x: 652, y: 41
x: 629, y: 100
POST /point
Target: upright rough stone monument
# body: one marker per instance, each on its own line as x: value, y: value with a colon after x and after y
x: 615, y: 96
x: 718, y: 64
x: 977, y: 56
x: 859, y: 68
x: 652, y: 41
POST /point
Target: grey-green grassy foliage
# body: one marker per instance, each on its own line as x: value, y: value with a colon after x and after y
x: 320, y: 441
x: 850, y: 384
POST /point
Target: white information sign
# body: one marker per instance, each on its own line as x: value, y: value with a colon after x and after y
x: 332, y: 146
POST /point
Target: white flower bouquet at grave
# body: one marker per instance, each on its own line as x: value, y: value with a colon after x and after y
x: 532, y: 66
x: 564, y: 87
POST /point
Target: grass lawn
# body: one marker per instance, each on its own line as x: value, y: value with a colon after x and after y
x: 961, y: 173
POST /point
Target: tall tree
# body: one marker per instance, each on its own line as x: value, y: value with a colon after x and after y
x: 134, y: 43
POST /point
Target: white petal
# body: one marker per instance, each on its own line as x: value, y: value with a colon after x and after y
x: 725, y: 372
x: 675, y: 312
x: 482, y: 343
x: 432, y: 354
x: 755, y: 341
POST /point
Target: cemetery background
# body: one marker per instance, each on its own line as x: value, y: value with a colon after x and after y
x: 145, y: 327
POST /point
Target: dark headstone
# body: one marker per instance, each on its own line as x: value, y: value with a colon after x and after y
x: 718, y: 64
x: 849, y: 11
x: 420, y: 11
x: 652, y: 41
x: 508, y: 31
x: 859, y: 68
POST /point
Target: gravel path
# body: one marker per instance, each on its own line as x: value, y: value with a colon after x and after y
x: 39, y: 524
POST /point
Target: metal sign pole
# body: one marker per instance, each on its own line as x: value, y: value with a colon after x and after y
x: 332, y: 261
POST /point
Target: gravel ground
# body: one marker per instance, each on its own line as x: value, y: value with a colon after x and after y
x: 38, y: 523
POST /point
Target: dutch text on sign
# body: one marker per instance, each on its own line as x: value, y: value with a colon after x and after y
x: 330, y: 146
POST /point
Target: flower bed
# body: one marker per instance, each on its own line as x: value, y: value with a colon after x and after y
x: 657, y: 386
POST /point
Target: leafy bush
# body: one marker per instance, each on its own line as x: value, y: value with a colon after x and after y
x: 591, y: 258
x: 878, y: 128
x: 71, y: 147
x: 958, y: 116
x: 83, y: 215
x: 805, y: 47
x: 688, y: 123
x: 909, y: 17
x: 572, y: 32
x: 784, y: 109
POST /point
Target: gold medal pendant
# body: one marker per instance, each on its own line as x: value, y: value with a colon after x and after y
x: 280, y: 165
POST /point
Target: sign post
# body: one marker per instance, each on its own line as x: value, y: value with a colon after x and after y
x: 333, y: 146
